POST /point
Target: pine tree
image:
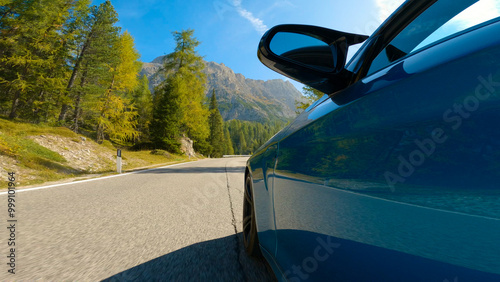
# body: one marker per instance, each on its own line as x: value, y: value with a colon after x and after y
x: 84, y: 29
x: 33, y: 50
x: 188, y: 66
x: 216, y: 138
x: 228, y: 149
x: 97, y: 34
x: 63, y: 58
x: 242, y: 144
x: 184, y: 76
x: 143, y: 101
x: 247, y: 137
x: 166, y: 117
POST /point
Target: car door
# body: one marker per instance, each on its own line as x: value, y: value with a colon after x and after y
x: 263, y: 179
x: 395, y: 178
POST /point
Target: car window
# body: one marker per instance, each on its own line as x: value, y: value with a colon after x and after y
x: 443, y: 19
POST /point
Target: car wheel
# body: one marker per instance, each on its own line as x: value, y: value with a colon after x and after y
x: 250, y: 239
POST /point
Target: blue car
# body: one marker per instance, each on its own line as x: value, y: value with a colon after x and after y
x: 394, y: 175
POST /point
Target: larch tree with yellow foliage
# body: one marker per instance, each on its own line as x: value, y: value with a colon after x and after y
x: 117, y: 115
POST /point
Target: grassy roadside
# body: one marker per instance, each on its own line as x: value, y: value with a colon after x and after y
x: 40, y: 154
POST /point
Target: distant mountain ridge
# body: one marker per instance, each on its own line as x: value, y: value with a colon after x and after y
x: 239, y: 97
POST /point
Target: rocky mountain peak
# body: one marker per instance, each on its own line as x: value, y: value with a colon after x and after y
x: 239, y: 97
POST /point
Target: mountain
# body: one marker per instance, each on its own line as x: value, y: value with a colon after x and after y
x: 239, y: 97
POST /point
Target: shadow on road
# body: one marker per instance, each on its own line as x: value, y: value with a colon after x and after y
x: 214, y: 260
x: 239, y: 169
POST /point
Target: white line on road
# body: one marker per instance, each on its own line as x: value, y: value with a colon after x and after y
x: 93, y: 179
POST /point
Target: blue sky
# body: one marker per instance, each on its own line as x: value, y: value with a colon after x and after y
x: 231, y: 29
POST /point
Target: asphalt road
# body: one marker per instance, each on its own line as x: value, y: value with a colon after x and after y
x: 180, y: 223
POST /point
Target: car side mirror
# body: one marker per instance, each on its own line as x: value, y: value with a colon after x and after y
x: 312, y: 55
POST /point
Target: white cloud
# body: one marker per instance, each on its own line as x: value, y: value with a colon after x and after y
x: 257, y: 23
x: 386, y: 8
x: 277, y: 5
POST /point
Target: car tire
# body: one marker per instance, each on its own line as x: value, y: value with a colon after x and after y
x: 250, y: 238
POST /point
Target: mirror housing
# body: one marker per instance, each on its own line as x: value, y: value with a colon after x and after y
x: 319, y: 66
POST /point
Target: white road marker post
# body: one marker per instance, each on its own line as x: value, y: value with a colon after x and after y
x: 119, y: 161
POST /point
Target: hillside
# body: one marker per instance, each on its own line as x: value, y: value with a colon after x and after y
x: 239, y: 97
x: 40, y: 153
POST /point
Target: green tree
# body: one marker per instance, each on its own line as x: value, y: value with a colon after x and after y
x: 143, y: 101
x: 242, y: 144
x: 311, y: 96
x: 188, y: 67
x: 117, y: 118
x: 216, y: 138
x: 33, y: 52
x: 64, y: 60
x: 166, y: 117
x: 184, y: 76
x: 96, y: 50
x: 247, y: 136
x: 228, y: 144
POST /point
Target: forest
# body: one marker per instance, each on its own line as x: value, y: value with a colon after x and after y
x: 67, y: 63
